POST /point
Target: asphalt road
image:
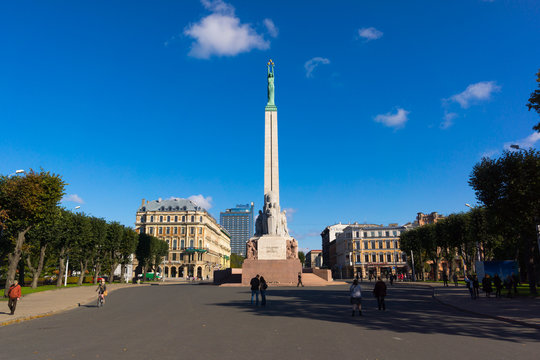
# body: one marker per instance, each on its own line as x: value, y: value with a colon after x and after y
x: 208, y: 322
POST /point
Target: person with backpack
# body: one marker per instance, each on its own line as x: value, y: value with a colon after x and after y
x: 14, y: 294
x: 356, y: 297
x: 255, y: 284
x: 379, y: 291
x: 263, y: 287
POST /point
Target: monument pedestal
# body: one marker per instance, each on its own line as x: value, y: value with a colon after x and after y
x: 277, y: 272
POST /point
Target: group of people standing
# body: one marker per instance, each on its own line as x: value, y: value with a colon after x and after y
x: 488, y: 283
x: 258, y: 286
x: 379, y: 291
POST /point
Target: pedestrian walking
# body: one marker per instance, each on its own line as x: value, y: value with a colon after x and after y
x: 356, y: 297
x: 508, y: 283
x: 515, y: 282
x: 379, y: 291
x: 263, y: 287
x: 391, y: 279
x: 476, y: 287
x: 498, y: 285
x: 454, y: 277
x: 486, y: 285
x: 14, y: 294
x: 445, y: 279
x: 255, y: 284
x: 299, y: 280
x: 469, y: 284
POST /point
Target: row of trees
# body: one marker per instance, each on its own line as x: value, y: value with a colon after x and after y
x: 503, y: 227
x: 38, y: 236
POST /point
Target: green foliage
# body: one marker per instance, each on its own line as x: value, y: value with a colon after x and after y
x: 534, y: 101
x: 302, y: 257
x: 236, y: 261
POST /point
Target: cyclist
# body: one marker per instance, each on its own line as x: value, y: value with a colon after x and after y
x: 101, y: 289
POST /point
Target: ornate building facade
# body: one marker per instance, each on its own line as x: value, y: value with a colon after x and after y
x: 198, y: 245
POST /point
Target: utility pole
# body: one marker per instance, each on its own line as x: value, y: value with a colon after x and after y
x: 412, y: 258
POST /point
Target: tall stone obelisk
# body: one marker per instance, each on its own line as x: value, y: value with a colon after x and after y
x: 271, y: 162
x: 271, y: 252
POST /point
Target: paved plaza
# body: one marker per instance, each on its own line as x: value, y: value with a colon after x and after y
x: 208, y: 322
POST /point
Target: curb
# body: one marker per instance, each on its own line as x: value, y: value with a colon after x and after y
x: 46, y: 314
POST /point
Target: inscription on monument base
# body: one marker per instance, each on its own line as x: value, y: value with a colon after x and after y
x: 271, y: 248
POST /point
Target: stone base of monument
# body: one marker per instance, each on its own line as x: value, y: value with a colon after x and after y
x: 277, y: 272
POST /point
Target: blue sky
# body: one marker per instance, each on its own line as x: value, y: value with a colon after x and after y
x: 384, y: 106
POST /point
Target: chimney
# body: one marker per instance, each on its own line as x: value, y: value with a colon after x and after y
x: 142, y: 204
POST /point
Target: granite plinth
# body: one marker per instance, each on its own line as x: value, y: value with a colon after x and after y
x: 271, y: 247
x: 279, y: 272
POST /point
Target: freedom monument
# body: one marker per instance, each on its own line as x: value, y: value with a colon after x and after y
x: 271, y: 252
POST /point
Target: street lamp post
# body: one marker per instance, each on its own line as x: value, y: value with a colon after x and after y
x: 67, y: 260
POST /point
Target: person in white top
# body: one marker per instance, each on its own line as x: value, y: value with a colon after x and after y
x: 356, y: 297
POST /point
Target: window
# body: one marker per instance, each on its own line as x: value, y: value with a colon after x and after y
x: 192, y: 218
x: 394, y: 233
x: 388, y: 233
x: 357, y: 245
x: 358, y: 258
x: 160, y: 230
x: 365, y: 245
x: 200, y: 244
x: 374, y: 258
x: 388, y: 244
x: 168, y: 219
x: 191, y: 243
x: 176, y: 218
x: 192, y: 230
x: 381, y: 257
x: 380, y: 233
x: 380, y: 245
x: 168, y: 230
x: 152, y: 218
x: 200, y: 230
x: 168, y: 242
x: 366, y: 258
x: 184, y: 218
x: 358, y: 234
x: 174, y: 256
x: 161, y: 218
x: 200, y: 219
x: 404, y: 257
x: 182, y: 244
x: 365, y: 234
x: 151, y: 231
x: 183, y: 230
x: 389, y: 258
x: 373, y: 244
x: 395, y: 244
x: 175, y: 230
x: 174, y: 244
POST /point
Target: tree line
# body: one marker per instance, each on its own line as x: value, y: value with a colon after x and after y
x: 37, y: 236
x: 502, y: 227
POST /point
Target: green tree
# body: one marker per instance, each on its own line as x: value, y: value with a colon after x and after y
x: 534, y: 100
x: 236, y: 260
x: 302, y: 257
x: 99, y: 254
x: 115, y: 238
x: 509, y: 187
x: 83, y: 244
x: 143, y: 252
x: 127, y: 248
x: 64, y: 241
x: 428, y: 240
x: 27, y: 201
x: 410, y: 241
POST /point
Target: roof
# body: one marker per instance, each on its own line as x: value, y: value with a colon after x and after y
x: 175, y: 204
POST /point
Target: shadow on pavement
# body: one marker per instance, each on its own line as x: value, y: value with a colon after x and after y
x: 408, y: 310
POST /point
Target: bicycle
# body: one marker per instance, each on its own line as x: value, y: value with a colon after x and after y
x: 100, y: 300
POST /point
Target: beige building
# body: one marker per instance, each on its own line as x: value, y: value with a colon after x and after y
x: 313, y: 259
x: 198, y: 245
x: 369, y: 250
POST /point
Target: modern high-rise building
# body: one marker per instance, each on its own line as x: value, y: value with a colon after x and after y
x: 239, y: 223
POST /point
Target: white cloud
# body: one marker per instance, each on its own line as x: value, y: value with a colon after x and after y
x: 218, y: 6
x: 480, y: 91
x: 311, y: 64
x: 396, y: 120
x: 222, y: 34
x: 289, y: 213
x: 525, y: 143
x: 271, y: 27
x: 448, y: 120
x: 73, y: 198
x: 370, y: 33
x: 204, y: 202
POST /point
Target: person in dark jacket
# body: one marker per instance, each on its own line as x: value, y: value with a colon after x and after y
x: 476, y: 287
x: 299, y: 280
x: 454, y: 277
x: 263, y: 287
x: 14, y: 294
x: 498, y: 285
x: 255, y: 283
x: 379, y: 291
x: 445, y: 279
x: 486, y: 285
